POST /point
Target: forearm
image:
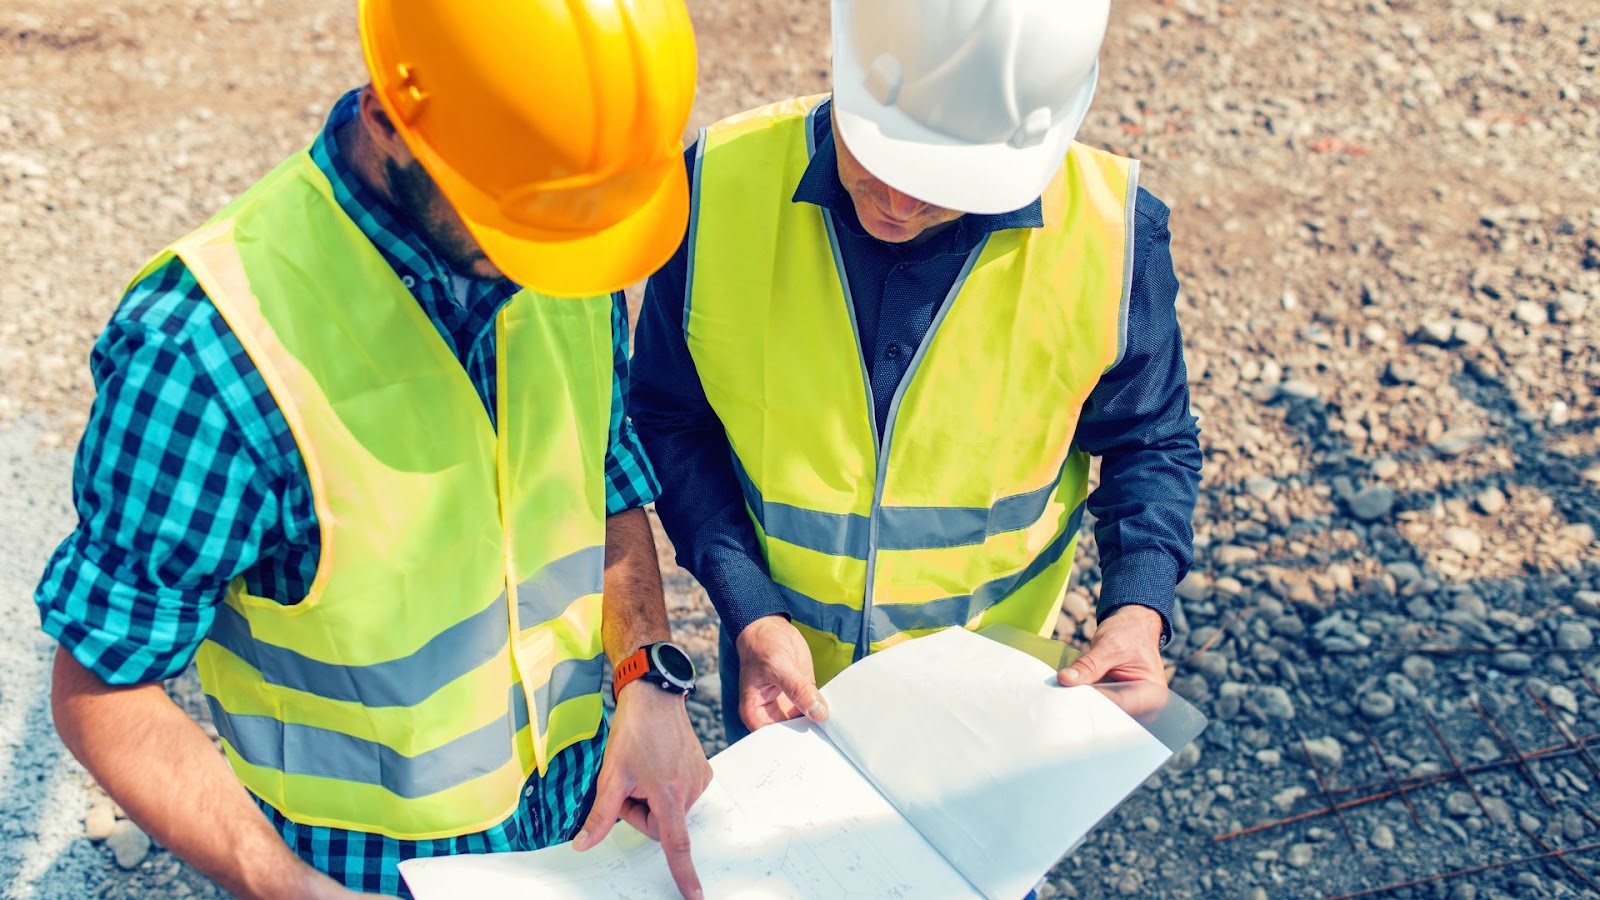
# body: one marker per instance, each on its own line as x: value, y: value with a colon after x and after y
x: 159, y: 766
x: 634, y: 611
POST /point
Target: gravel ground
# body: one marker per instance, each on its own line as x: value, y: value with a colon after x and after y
x: 1386, y: 221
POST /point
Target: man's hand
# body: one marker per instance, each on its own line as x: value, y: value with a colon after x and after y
x: 776, y: 679
x: 1126, y: 647
x: 654, y: 770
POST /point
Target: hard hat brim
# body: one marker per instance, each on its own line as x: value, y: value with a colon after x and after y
x: 942, y: 170
x: 592, y: 263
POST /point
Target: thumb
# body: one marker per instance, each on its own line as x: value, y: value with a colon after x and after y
x: 802, y: 690
x: 608, y: 800
x: 1087, y: 669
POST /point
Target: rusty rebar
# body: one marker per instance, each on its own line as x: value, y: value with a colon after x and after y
x: 1486, y: 867
x: 1413, y: 782
x: 1508, y: 746
x: 1441, y: 650
x: 1455, y: 763
x: 1423, y: 780
x: 1323, y: 784
x: 1393, y: 783
x: 1566, y: 734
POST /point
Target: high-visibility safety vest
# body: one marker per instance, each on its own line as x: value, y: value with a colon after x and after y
x: 966, y: 511
x: 449, y: 645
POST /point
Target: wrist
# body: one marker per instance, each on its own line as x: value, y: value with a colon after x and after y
x: 759, y: 627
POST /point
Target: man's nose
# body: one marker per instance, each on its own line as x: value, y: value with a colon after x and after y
x: 902, y: 206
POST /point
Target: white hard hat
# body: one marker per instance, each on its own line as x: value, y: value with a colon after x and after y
x: 966, y: 104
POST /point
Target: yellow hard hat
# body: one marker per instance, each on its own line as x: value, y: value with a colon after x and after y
x: 554, y: 127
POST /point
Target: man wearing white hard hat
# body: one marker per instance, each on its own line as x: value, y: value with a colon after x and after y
x: 903, y: 320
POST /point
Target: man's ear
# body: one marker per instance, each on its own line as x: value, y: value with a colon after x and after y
x: 378, y: 124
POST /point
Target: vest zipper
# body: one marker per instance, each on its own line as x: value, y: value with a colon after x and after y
x: 881, y: 442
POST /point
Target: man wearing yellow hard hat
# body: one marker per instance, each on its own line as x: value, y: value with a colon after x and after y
x: 360, y: 451
x: 904, y: 318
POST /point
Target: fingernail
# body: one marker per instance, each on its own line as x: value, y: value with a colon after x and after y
x: 818, y: 710
x: 581, y: 842
x: 1073, y: 676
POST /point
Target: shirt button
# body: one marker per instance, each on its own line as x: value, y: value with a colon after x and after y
x: 893, y: 351
x: 527, y: 791
x: 408, y: 281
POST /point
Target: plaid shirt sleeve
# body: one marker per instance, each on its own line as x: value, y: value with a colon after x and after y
x: 171, y: 504
x: 630, y: 481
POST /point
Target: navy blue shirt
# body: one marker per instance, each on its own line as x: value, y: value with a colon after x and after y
x: 1136, y: 420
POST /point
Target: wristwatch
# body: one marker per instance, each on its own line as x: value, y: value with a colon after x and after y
x: 663, y: 664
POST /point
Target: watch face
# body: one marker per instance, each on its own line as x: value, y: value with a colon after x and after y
x: 674, y: 663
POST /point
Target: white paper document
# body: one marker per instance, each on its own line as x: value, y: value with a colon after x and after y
x: 950, y: 766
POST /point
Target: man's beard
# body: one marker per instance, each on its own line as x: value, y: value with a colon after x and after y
x: 420, y: 203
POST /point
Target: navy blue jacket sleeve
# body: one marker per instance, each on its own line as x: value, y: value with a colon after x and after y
x: 701, y: 505
x: 1137, y: 421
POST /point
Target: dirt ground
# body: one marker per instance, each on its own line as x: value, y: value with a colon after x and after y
x: 1385, y: 219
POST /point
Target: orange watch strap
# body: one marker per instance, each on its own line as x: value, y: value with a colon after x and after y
x: 630, y: 669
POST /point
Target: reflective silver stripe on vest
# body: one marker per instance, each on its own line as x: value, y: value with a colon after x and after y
x: 404, y: 681
x: 899, y: 527
x: 553, y: 588
x: 308, y: 750
x: 570, y: 679
x: 844, y: 622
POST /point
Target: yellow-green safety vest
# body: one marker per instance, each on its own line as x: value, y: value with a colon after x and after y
x: 966, y: 511
x: 449, y: 645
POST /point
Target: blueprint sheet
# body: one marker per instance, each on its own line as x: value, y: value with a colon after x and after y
x: 786, y: 816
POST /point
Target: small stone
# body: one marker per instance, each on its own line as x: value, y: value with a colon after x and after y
x: 1184, y: 760
x: 1417, y: 668
x: 1269, y: 757
x: 1326, y: 752
x: 1263, y: 489
x: 1472, y: 605
x: 1285, y: 799
x: 1587, y: 602
x: 1513, y: 661
x: 128, y: 843
x: 1483, y: 20
x: 1457, y: 441
x: 1460, y: 804
x: 1195, y: 587
x: 1272, y: 702
x: 1436, y: 332
x: 102, y: 817
x: 1373, y: 503
x: 1463, y: 891
x: 1300, y: 855
x: 1382, y: 837
x: 1574, y: 636
x: 1151, y: 824
x: 1499, y: 811
x: 1212, y: 664
x: 1484, y: 750
x: 1562, y: 697
x: 1464, y: 541
x: 1490, y: 501
x: 1558, y: 415
x: 1531, y: 313
x: 1299, y: 389
x: 1235, y: 555
x: 1377, y: 705
x: 1470, y: 334
x: 1385, y: 468
x: 1528, y: 823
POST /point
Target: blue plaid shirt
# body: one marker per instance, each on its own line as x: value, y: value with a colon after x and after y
x: 188, y: 477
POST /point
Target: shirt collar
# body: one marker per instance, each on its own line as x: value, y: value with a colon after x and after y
x: 820, y: 185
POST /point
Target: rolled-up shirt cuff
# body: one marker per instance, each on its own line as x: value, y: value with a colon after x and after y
x: 1146, y: 578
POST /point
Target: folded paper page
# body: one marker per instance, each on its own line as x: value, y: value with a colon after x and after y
x: 997, y: 765
x: 785, y: 817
